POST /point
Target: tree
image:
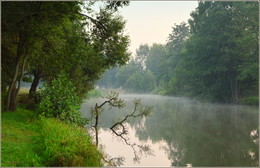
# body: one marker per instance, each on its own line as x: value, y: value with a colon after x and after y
x: 248, y: 44
x: 108, y: 79
x: 20, y: 21
x: 176, y: 40
x: 125, y: 72
x: 176, y: 47
x: 158, y: 63
x: 213, y: 53
x: 141, y: 54
x: 141, y: 81
x: 214, y: 57
x: 39, y: 32
x: 17, y: 27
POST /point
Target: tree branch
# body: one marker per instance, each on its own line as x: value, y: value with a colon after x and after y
x: 115, y: 102
x: 93, y: 20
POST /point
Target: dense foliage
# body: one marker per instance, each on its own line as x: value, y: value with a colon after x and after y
x: 214, y: 57
x: 42, y: 39
x: 66, y: 45
x: 59, y: 100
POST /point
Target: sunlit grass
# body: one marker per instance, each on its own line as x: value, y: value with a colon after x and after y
x: 28, y: 141
x: 63, y: 144
x: 24, y: 90
x: 17, y: 132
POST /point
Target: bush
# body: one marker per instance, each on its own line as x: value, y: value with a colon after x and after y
x: 61, y: 144
x: 58, y: 99
x: 253, y: 100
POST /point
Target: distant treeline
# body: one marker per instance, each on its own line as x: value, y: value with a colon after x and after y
x: 214, y: 57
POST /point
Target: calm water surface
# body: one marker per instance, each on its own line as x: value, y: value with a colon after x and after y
x: 183, y: 132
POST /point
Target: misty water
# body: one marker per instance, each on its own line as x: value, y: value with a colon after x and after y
x: 183, y: 132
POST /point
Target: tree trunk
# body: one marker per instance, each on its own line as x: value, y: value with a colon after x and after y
x: 236, y: 92
x: 96, y: 123
x: 234, y: 86
x: 22, y: 46
x: 34, y: 85
x: 12, y: 87
x: 13, y: 102
x: 12, y: 90
x: 19, y: 83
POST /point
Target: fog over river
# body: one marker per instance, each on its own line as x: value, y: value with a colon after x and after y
x: 183, y: 132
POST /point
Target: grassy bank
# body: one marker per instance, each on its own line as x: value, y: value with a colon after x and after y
x: 18, y: 130
x: 31, y: 141
x: 252, y: 100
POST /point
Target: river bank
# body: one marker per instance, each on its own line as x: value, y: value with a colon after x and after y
x: 247, y: 100
x: 31, y: 141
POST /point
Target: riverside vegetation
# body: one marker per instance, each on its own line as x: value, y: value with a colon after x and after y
x: 61, y: 44
x: 213, y: 57
x: 48, y: 138
x: 53, y: 133
x: 68, y: 45
x: 30, y: 141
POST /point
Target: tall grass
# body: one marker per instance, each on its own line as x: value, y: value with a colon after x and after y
x: 17, y: 149
x: 30, y: 141
x: 63, y: 144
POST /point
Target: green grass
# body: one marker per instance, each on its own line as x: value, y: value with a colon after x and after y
x: 31, y: 141
x: 18, y: 128
x: 66, y: 145
x: 252, y: 100
x: 94, y: 94
x: 24, y: 90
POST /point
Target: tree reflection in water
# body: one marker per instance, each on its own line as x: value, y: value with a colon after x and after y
x: 197, y: 134
x: 204, y: 134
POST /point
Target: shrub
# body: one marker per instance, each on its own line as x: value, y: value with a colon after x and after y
x: 61, y: 144
x: 58, y: 99
x: 253, y: 100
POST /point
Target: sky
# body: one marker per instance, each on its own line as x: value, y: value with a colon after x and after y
x: 151, y: 22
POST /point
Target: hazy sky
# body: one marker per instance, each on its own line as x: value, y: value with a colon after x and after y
x: 152, y: 21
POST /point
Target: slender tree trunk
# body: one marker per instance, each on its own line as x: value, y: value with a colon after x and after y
x: 19, y: 81
x: 35, y: 83
x: 236, y: 91
x: 231, y: 89
x: 14, y: 92
x: 96, y: 123
x: 12, y: 103
x: 12, y: 85
x: 234, y: 86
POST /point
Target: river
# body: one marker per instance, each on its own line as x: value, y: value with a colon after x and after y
x: 183, y: 132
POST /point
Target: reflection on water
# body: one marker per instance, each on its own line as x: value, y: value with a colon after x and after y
x: 115, y: 147
x: 183, y: 132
